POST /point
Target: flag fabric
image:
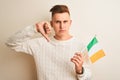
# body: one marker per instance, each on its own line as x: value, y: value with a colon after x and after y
x: 95, y: 52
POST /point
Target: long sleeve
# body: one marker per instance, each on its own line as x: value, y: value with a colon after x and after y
x: 19, y: 41
x: 86, y: 74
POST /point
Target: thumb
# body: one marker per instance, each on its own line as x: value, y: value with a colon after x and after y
x: 46, y: 37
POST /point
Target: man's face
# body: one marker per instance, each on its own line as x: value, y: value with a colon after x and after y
x: 61, y: 23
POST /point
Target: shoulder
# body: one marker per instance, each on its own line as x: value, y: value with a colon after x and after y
x: 79, y: 43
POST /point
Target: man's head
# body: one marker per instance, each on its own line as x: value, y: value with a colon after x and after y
x: 60, y: 20
x: 59, y: 9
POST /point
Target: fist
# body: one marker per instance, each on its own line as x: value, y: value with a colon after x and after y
x: 77, y: 59
x: 44, y: 28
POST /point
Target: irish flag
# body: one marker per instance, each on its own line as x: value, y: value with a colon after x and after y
x: 95, y: 52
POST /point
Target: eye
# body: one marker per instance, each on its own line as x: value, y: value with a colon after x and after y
x: 57, y: 21
x: 65, y: 21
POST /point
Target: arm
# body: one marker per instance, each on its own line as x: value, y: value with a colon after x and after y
x: 21, y: 40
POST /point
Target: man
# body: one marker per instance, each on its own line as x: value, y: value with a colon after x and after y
x: 57, y: 57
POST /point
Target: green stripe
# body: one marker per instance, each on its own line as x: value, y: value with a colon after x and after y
x: 92, y: 42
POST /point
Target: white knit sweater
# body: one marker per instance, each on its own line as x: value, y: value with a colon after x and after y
x: 52, y: 58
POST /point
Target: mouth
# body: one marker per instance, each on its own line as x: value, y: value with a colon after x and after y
x: 62, y: 30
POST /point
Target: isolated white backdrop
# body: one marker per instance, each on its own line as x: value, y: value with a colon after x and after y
x: 90, y: 17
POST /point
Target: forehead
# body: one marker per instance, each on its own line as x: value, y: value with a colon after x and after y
x: 61, y: 16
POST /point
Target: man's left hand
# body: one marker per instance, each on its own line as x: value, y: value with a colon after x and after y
x: 77, y: 59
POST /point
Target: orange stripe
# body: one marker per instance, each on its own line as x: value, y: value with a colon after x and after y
x: 97, y: 56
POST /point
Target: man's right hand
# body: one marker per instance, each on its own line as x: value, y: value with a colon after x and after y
x: 44, y: 28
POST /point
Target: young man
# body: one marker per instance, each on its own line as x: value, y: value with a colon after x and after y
x: 57, y: 57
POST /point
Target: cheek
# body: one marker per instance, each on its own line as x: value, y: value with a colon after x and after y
x: 55, y: 28
x: 67, y: 26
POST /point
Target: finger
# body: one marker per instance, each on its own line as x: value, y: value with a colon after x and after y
x: 75, y: 62
x: 78, y: 59
x: 48, y: 32
x: 47, y: 28
x: 46, y: 37
x: 80, y: 55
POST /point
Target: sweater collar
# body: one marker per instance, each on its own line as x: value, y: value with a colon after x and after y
x: 62, y: 42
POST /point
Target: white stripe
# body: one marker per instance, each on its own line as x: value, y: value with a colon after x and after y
x: 94, y: 49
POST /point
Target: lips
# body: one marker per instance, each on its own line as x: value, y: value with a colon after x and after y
x: 62, y: 30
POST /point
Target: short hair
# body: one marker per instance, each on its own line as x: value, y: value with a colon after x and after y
x: 59, y: 9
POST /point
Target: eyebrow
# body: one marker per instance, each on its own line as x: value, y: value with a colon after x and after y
x: 60, y: 21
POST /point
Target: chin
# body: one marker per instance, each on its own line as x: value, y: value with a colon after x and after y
x: 62, y: 34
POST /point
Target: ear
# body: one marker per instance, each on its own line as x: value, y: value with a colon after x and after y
x: 51, y: 23
x: 70, y: 22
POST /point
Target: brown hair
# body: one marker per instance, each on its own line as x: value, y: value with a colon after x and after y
x: 59, y: 9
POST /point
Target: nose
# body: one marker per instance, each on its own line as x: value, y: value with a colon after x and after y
x: 61, y: 25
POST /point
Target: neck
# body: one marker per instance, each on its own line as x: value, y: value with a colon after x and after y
x: 62, y: 38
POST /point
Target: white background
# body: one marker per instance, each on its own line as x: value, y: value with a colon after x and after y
x: 90, y: 17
